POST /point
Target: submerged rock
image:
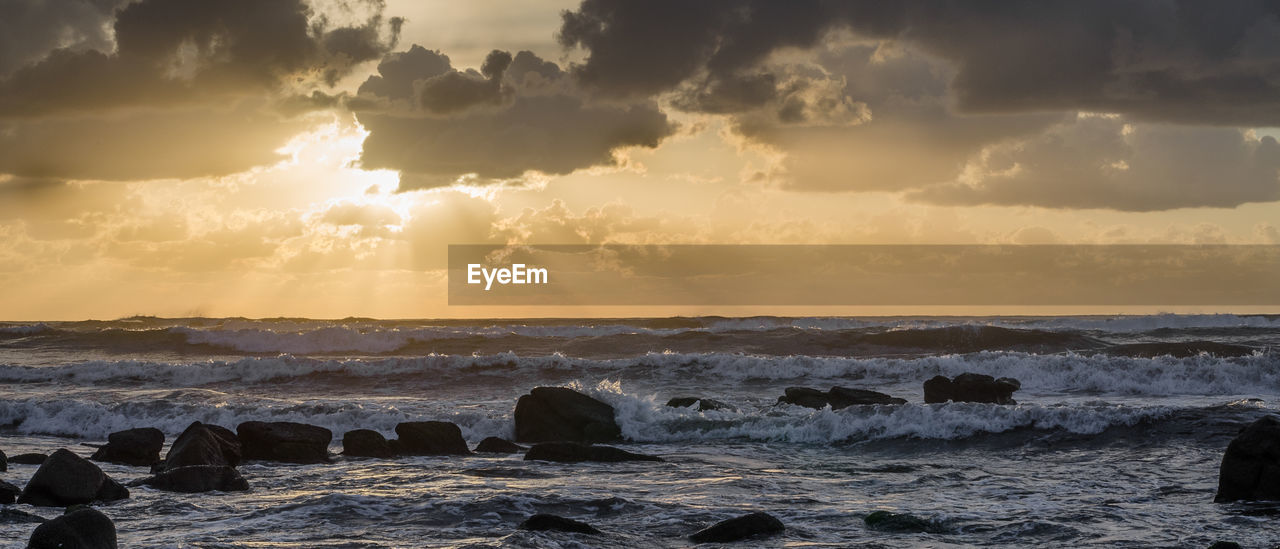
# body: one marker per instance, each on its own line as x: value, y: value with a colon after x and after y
x: 28, y: 459
x: 4, y: 462
x: 132, y: 447
x: 836, y: 397
x: 574, y: 452
x: 549, y: 414
x: 899, y: 522
x: 67, y: 479
x: 197, y: 478
x: 543, y: 522
x: 203, y: 444
x: 752, y: 525
x: 1225, y: 545
x: 495, y: 445
x: 704, y: 404
x: 8, y: 492
x: 284, y: 441
x: 82, y: 528
x: 366, y: 443
x: 1250, y: 467
x: 431, y: 438
x: 971, y: 388
x: 14, y: 516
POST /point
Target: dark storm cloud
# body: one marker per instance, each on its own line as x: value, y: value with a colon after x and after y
x: 518, y: 114
x: 29, y: 29
x: 1183, y: 61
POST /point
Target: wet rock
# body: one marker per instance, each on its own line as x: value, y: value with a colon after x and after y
x: 8, y: 492
x: 1250, y: 467
x: 971, y: 388
x: 284, y: 441
x: 836, y: 397
x: 197, y: 478
x: 132, y: 447
x: 549, y: 414
x: 885, y: 521
x: 1225, y: 545
x: 495, y: 445
x: 543, y: 522
x: 82, y: 528
x: 28, y: 459
x: 754, y: 525
x: 366, y: 443
x: 4, y: 462
x: 203, y: 444
x: 14, y: 516
x: 704, y: 404
x: 67, y: 479
x: 431, y: 438
x: 574, y: 452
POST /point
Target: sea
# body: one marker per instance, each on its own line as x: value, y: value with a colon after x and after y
x: 1115, y: 441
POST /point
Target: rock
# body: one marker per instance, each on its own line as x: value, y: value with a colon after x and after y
x: 549, y: 414
x: 132, y: 447
x: 971, y: 388
x: 284, y: 441
x: 14, y: 516
x: 543, y: 522
x: 574, y: 452
x: 752, y: 525
x: 899, y: 522
x: 4, y: 462
x: 704, y: 404
x: 196, y: 478
x: 8, y: 492
x: 1225, y: 545
x: 203, y: 444
x: 432, y: 438
x: 67, y: 479
x: 83, y: 528
x: 495, y: 445
x: 837, y: 397
x: 366, y: 443
x: 28, y: 459
x: 1250, y: 468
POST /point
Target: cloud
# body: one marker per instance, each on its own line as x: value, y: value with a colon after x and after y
x: 519, y: 114
x: 30, y: 29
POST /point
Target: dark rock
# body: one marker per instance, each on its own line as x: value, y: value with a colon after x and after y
x: 203, y: 444
x: 495, y: 445
x: 196, y: 478
x: 1250, y: 468
x: 1225, y: 545
x: 754, y: 525
x: 83, y: 528
x: 132, y: 447
x: 366, y: 443
x: 284, y: 441
x: 543, y: 522
x: 549, y: 414
x: 14, y: 516
x: 4, y: 462
x: 67, y: 479
x: 431, y: 438
x: 804, y: 396
x: 704, y: 404
x: 899, y: 522
x: 837, y: 397
x: 28, y: 459
x: 971, y: 388
x: 574, y: 452
x: 8, y: 492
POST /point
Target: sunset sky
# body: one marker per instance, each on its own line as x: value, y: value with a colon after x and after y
x: 291, y: 158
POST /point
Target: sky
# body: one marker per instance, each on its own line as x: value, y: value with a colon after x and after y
x: 271, y: 158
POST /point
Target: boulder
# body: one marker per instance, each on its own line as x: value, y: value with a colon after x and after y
x: 27, y: 459
x: 1250, y: 468
x: 836, y: 397
x: 431, y: 438
x: 574, y: 452
x: 366, y: 443
x: 14, y: 516
x: 1225, y: 545
x: 67, y: 479
x: 542, y: 522
x: 753, y: 525
x: 549, y: 414
x: 971, y: 388
x: 81, y: 528
x: 8, y: 492
x: 495, y: 445
x: 898, y: 522
x: 196, y: 478
x: 284, y: 441
x: 4, y: 462
x: 704, y: 404
x: 132, y: 447
x: 203, y: 444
